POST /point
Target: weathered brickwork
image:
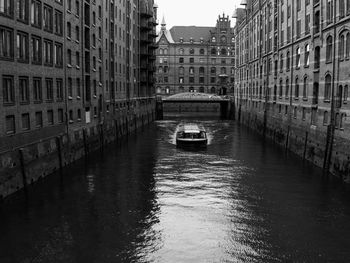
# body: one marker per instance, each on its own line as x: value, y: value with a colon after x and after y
x: 196, y: 59
x: 292, y: 81
x: 70, y: 70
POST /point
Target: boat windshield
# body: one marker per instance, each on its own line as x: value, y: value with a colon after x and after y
x: 191, y: 135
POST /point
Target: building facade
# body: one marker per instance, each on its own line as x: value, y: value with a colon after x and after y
x: 69, y: 65
x: 196, y: 59
x: 291, y: 65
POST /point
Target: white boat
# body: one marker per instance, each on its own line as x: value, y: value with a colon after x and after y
x: 191, y: 135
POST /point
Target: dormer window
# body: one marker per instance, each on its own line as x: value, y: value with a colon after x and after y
x: 213, y: 39
x: 181, y: 40
x: 201, y: 40
x: 191, y: 40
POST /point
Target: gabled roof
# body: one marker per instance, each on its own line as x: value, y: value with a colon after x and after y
x: 167, y: 35
x: 188, y: 32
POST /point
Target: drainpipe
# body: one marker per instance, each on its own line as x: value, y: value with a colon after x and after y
x: 331, y: 126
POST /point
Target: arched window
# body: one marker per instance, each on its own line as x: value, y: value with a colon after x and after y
x: 181, y: 51
x: 213, y: 70
x: 342, y: 119
x: 328, y: 87
x: 159, y: 90
x: 213, y: 90
x: 201, y: 89
x: 317, y: 57
x: 201, y: 70
x: 339, y: 98
x: 232, y: 71
x: 223, y: 52
x: 160, y: 69
x: 281, y: 89
x: 337, y: 120
x: 191, y: 70
x: 288, y: 61
x: 223, y: 70
x: 161, y: 51
x: 347, y: 52
x: 329, y: 48
x: 305, y: 88
x: 213, y: 39
x: 296, y: 91
x: 191, y: 51
x: 281, y: 62
x: 307, y: 55
x: 341, y: 47
x: 213, y: 51
x: 165, y: 51
x: 191, y: 89
x: 69, y: 30
x: 201, y: 51
x: 287, y: 88
x: 166, y: 68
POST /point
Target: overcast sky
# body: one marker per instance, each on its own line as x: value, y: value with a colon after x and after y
x: 194, y: 12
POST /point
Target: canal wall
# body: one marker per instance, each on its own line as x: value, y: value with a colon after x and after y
x: 22, y: 166
x: 294, y: 132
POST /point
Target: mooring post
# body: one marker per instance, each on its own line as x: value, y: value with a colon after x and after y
x: 23, y: 170
x: 59, y: 152
x: 305, y: 144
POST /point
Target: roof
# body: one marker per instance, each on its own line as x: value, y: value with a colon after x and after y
x: 167, y: 34
x: 191, y: 128
x: 188, y: 32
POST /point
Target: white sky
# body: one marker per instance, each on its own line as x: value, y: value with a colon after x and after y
x: 194, y: 12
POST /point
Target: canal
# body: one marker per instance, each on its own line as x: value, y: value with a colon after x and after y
x: 144, y: 200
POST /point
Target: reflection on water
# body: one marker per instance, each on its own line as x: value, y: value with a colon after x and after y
x: 144, y: 200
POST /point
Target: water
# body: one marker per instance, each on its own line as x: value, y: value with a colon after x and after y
x: 144, y: 200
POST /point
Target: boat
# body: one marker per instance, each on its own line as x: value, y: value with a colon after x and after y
x: 191, y: 135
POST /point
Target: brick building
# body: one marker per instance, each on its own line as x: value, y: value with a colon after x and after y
x: 67, y: 65
x: 196, y: 59
x: 291, y: 65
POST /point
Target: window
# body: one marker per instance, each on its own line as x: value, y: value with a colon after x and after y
x: 281, y: 89
x: 346, y: 93
x: 305, y: 88
x: 347, y: 51
x: 6, y: 7
x: 8, y: 90
x: 70, y: 88
x: 60, y: 116
x: 281, y: 62
x: 201, y: 70
x: 49, y: 89
x: 77, y: 59
x: 10, y: 124
x: 191, y: 60
x: 25, y: 122
x: 37, y: 90
x: 36, y: 50
x: 296, y: 91
x: 288, y: 61
x: 181, y: 51
x: 341, y: 47
x: 341, y: 8
x: 181, y: 60
x: 201, y: 80
x: 24, y: 90
x: 307, y: 55
x: 35, y: 11
x: 77, y: 33
x: 77, y: 8
x: 50, y: 120
x: 287, y: 88
x: 22, y: 47
x: 48, y: 18
x: 213, y: 70
x: 223, y: 52
x: 297, y: 58
x: 69, y: 57
x: 22, y: 10
x: 6, y: 43
x: 191, y: 70
x: 58, y: 23
x: 78, y: 88
x: 181, y: 70
x: 329, y: 11
x: 329, y: 49
x: 213, y: 51
x: 48, y: 50
x: 212, y: 80
x: 317, y: 57
x: 201, y: 51
x: 69, y: 30
x: 328, y: 87
x: 38, y: 119
x: 69, y: 5
x: 59, y: 89
x: 58, y: 59
x: 325, y: 118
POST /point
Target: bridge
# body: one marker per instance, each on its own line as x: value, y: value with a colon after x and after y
x: 195, y: 102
